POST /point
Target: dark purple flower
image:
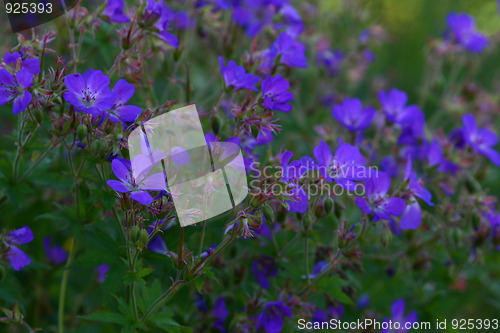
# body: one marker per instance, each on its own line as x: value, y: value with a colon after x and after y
x: 157, y: 244
x: 114, y: 10
x: 14, y: 88
x: 294, y: 23
x: 436, y: 158
x: 236, y: 76
x: 290, y: 51
x: 346, y: 166
x: 155, y: 11
x: 272, y: 317
x: 220, y: 313
x: 264, y: 268
x: 102, y: 273
x: 363, y: 301
x: 331, y: 59
x: 201, y: 303
x: 462, y: 30
x: 377, y: 200
x: 126, y: 113
x: 17, y: 258
x: 318, y: 268
x: 394, y: 106
x: 31, y: 64
x: 89, y: 92
x: 398, y: 315
x: 253, y: 15
x: 352, y: 115
x: 412, y: 215
x: 127, y: 183
x: 55, y: 253
x: 275, y: 94
x: 291, y: 173
x: 481, y: 140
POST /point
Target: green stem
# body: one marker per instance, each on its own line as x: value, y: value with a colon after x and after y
x: 174, y: 288
x: 64, y: 284
x: 306, y: 253
x: 204, y: 226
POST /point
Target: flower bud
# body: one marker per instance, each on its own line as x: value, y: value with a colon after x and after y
x: 134, y: 234
x: 143, y: 238
x: 217, y: 124
x: 81, y: 132
x: 268, y: 213
x: 307, y: 222
x: 328, y: 205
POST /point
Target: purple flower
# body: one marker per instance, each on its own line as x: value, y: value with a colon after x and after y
x: 13, y: 88
x: 126, y: 113
x: 346, y: 166
x: 292, y: 172
x: 352, y: 115
x: 275, y: 94
x: 331, y: 59
x: 55, y: 253
x: 253, y: 15
x: 264, y: 268
x: 127, y: 183
x: 436, y: 158
x: 31, y: 64
x: 155, y: 11
x: 398, y: 315
x: 220, y: 313
x: 272, y: 317
x: 17, y: 258
x: 290, y: 50
x: 157, y: 244
x: 412, y: 215
x: 394, y: 106
x: 114, y: 10
x: 377, y: 200
x: 89, y: 92
x: 236, y: 76
x: 102, y: 273
x: 462, y: 29
x: 481, y: 140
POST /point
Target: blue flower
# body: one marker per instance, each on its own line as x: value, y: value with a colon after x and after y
x: 398, y: 315
x: 481, y: 140
x: 264, y: 268
x: 102, y: 273
x: 17, y: 258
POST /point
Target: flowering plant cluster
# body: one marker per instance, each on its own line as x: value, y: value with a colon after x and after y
x: 411, y: 237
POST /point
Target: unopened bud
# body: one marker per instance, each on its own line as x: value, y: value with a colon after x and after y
x: 81, y: 132
x: 328, y: 205
x: 134, y: 234
x: 307, y: 222
x: 143, y: 238
x: 268, y: 213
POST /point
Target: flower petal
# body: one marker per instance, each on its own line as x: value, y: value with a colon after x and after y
x: 142, y: 197
x: 118, y: 186
x: 17, y: 258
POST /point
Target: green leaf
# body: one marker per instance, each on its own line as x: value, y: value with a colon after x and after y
x: 107, y: 317
x: 332, y: 285
x: 165, y: 322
